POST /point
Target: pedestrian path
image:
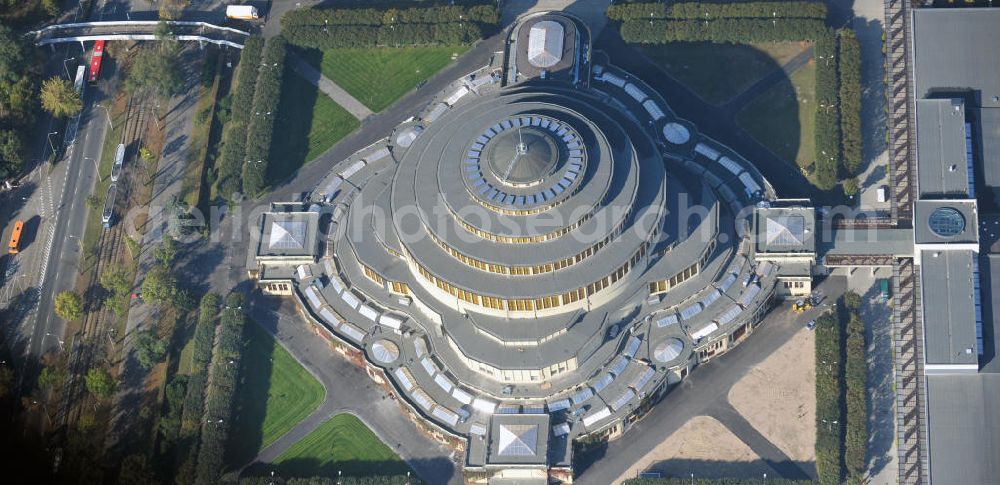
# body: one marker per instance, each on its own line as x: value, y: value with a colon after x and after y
x: 330, y: 88
x: 366, y: 400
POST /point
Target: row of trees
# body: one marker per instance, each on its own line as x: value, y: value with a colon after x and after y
x: 827, y: 112
x: 709, y: 10
x: 829, y: 400
x: 231, y: 155
x: 20, y: 11
x: 722, y: 30
x: 260, y: 129
x: 169, y: 425
x: 849, y: 60
x: 855, y: 395
x: 219, y: 398
x: 487, y: 14
x: 321, y: 37
x: 193, y: 407
x: 18, y: 105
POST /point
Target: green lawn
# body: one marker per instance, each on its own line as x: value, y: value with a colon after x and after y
x: 276, y: 393
x: 783, y: 118
x: 379, y: 76
x: 309, y: 123
x: 718, y: 72
x: 343, y: 443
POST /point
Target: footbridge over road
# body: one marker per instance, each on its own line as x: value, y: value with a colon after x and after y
x: 139, y: 30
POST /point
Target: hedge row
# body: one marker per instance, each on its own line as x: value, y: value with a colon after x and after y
x: 221, y: 391
x: 481, y: 14
x: 201, y: 355
x: 373, y: 480
x: 829, y: 446
x: 230, y: 161
x: 722, y: 30
x: 320, y: 37
x: 850, y: 99
x: 194, y: 396
x: 260, y: 129
x: 827, y: 113
x: 855, y: 380
x: 703, y: 10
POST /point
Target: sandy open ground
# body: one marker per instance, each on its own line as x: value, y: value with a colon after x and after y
x: 703, y: 446
x: 778, y: 397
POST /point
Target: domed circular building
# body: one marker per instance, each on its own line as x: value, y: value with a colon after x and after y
x: 540, y: 255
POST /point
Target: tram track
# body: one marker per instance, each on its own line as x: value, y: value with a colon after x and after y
x: 96, y: 338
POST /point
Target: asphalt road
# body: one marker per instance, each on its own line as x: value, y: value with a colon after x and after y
x: 57, y: 219
x: 69, y: 219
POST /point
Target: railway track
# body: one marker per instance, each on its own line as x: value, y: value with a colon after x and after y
x: 97, y: 333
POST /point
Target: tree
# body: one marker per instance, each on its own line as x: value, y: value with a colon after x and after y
x: 166, y: 251
x: 156, y: 69
x: 93, y: 202
x: 160, y: 286
x: 99, y: 383
x: 136, y: 470
x: 172, y: 9
x: 50, y: 377
x: 60, y: 98
x: 146, y: 155
x: 149, y: 350
x: 11, y: 56
x: 69, y: 305
x: 51, y: 7
x: 163, y: 32
x: 852, y: 301
x: 851, y: 186
x: 116, y: 280
x: 6, y: 380
x: 11, y: 152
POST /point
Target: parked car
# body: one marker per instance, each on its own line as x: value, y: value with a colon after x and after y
x: 811, y: 325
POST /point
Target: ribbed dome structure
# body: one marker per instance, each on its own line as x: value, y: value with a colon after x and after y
x: 523, y: 156
x: 528, y: 201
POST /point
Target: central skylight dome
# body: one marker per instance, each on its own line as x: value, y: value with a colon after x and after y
x: 523, y: 156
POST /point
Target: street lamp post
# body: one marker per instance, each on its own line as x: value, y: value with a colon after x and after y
x: 52, y: 145
x: 106, y: 110
x: 67, y: 67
